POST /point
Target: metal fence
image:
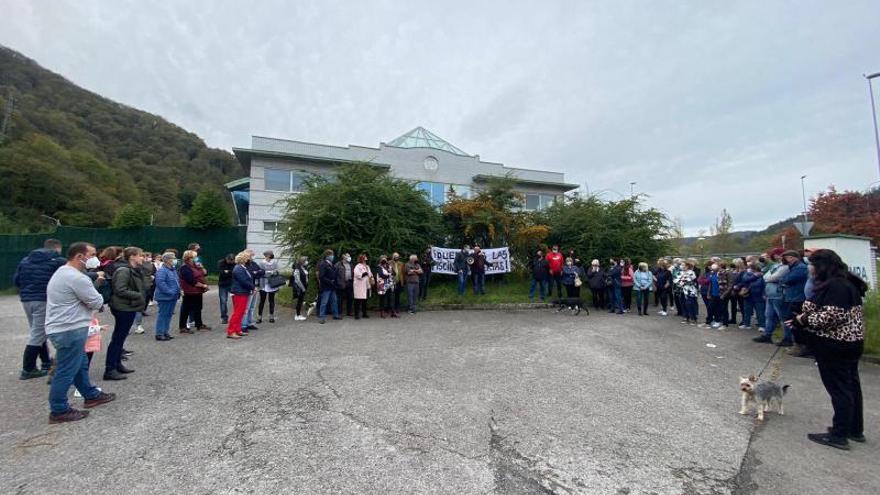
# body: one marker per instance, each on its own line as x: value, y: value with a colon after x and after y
x: 215, y: 243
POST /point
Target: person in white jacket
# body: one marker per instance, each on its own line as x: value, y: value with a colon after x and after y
x: 270, y: 266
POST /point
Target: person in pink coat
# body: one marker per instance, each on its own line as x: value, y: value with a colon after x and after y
x: 362, y: 280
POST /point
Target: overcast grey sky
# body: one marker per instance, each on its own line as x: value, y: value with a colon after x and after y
x: 706, y: 105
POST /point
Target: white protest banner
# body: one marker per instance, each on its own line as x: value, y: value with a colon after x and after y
x: 497, y: 260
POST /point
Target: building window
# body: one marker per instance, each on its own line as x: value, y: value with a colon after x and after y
x: 270, y: 226
x: 435, y: 191
x: 539, y: 201
x: 461, y: 191
x: 277, y: 180
x: 284, y: 180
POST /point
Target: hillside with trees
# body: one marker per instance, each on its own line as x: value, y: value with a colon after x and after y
x: 75, y: 156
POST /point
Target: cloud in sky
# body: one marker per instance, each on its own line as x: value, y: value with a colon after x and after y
x: 705, y: 105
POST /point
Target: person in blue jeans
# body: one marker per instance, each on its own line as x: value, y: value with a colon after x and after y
x: 793, y: 297
x: 540, y: 275
x: 71, y: 299
x: 129, y: 297
x: 462, y: 268
x: 753, y: 280
x: 256, y: 273
x: 327, y: 286
x: 224, y: 283
x: 774, y: 311
x: 166, y: 294
x: 614, y: 273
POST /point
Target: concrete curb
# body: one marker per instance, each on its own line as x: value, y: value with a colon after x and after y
x: 484, y: 307
x: 871, y: 358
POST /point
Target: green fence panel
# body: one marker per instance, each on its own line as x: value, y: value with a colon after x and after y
x: 215, y: 243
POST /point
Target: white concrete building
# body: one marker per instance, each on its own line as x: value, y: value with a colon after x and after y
x: 278, y: 166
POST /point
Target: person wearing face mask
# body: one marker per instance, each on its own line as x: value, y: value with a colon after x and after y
x: 540, y: 274
x: 31, y: 277
x: 129, y: 297
x: 224, y: 283
x: 167, y: 293
x: 149, y: 272
x: 596, y: 283
x: 327, y: 287
x: 572, y: 278
x: 462, y: 268
x: 399, y: 282
x: 385, y: 286
x: 270, y: 267
x: 555, y: 261
x: 299, y: 282
x: 345, y: 283
x: 256, y: 273
x: 363, y: 278
x: 412, y: 273
x: 71, y: 299
x: 614, y: 273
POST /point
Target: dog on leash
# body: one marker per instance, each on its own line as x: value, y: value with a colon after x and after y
x: 572, y: 304
x: 762, y: 395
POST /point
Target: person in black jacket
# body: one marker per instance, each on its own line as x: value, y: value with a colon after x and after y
x: 327, y: 287
x: 833, y: 326
x: 345, y: 283
x: 540, y: 275
x: 224, y: 283
x: 596, y: 283
x: 256, y: 273
x: 663, y: 281
x: 299, y: 281
x: 427, y: 263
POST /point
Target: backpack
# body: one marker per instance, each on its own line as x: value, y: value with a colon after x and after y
x: 106, y: 290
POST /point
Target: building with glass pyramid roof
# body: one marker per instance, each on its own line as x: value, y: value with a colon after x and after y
x: 278, y: 166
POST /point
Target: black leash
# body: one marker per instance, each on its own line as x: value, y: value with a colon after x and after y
x: 768, y: 361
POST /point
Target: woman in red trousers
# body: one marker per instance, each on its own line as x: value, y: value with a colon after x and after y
x: 242, y: 288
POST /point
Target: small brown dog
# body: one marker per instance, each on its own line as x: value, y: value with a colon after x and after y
x: 761, y: 394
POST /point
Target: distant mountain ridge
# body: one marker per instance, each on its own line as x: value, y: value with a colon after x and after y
x: 76, y: 156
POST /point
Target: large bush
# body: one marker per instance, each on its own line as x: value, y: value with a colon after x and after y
x: 360, y: 209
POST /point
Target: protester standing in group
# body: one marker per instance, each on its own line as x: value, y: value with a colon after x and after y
x: 751, y: 289
x: 614, y: 274
x: 427, y: 262
x: 399, y: 281
x: 192, y: 283
x: 129, y: 297
x: 224, y: 283
x: 242, y: 290
x: 555, y: 263
x: 540, y: 275
x: 626, y: 284
x: 71, y: 300
x: 269, y: 265
x: 737, y: 304
x: 327, y: 287
x: 385, y: 287
x: 462, y: 268
x: 345, y: 283
x: 663, y: 283
x: 299, y: 282
x: 775, y: 311
x: 479, y: 271
x: 572, y: 278
x: 167, y: 293
x: 256, y: 273
x: 643, y: 283
x: 363, y: 279
x: 834, y: 327
x: 596, y: 283
x: 677, y: 297
x: 149, y: 271
x: 793, y: 297
x: 31, y: 277
x: 687, y: 281
x: 412, y: 273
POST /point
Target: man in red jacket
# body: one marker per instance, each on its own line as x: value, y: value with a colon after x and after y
x: 555, y: 260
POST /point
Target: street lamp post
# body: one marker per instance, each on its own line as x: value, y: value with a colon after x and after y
x: 632, y: 189
x: 874, y: 115
x: 804, y: 193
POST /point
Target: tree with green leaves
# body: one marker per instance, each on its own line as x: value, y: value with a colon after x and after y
x: 360, y: 209
x: 209, y: 211
x: 132, y: 215
x: 601, y: 230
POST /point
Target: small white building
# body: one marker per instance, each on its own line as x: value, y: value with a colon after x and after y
x: 855, y: 251
x: 278, y: 167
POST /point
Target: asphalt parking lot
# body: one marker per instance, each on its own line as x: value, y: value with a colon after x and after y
x: 440, y: 402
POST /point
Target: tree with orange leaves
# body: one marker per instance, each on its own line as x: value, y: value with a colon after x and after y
x: 848, y: 212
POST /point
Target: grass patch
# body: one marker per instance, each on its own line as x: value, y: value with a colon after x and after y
x: 11, y: 291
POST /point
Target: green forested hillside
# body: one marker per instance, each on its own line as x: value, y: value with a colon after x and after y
x: 76, y: 156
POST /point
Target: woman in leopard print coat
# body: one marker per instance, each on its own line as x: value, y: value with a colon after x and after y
x: 836, y: 328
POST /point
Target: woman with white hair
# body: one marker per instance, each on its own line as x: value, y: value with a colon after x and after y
x: 166, y: 295
x: 596, y: 282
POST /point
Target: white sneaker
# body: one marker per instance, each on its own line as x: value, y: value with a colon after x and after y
x: 762, y: 330
x: 139, y: 330
x: 716, y: 325
x: 663, y: 313
x: 299, y: 318
x: 743, y: 327
x: 79, y: 395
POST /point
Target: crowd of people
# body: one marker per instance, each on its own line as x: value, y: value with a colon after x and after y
x: 811, y: 295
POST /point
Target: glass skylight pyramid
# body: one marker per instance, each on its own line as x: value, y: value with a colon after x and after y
x: 423, y: 138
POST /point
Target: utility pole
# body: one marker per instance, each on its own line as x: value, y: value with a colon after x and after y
x: 7, y: 116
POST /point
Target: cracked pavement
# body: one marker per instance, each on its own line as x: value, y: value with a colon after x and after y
x: 463, y: 402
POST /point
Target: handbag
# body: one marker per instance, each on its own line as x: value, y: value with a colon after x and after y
x: 275, y: 280
x: 577, y: 281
